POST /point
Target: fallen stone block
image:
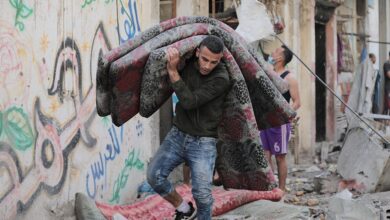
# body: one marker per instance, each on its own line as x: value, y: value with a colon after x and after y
x: 86, y: 209
x: 342, y: 206
x: 269, y: 210
x: 367, y: 206
x: 364, y: 159
x: 380, y: 201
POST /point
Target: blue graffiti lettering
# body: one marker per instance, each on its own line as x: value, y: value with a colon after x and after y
x: 99, y: 168
x: 131, y: 23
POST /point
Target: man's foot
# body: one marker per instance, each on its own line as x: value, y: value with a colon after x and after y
x: 189, y: 215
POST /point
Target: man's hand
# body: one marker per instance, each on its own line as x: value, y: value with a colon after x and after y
x: 173, y: 60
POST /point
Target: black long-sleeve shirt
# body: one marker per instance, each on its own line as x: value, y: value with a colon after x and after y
x: 201, y: 99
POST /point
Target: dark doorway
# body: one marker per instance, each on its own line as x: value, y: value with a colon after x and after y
x: 219, y: 6
x: 320, y: 89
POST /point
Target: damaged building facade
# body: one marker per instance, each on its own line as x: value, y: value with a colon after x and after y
x: 332, y: 38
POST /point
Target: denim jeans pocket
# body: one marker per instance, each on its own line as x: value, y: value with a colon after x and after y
x: 208, y: 143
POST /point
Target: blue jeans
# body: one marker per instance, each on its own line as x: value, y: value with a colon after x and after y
x: 199, y: 153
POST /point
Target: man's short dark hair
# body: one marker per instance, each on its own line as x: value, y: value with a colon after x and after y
x: 213, y: 43
x: 371, y: 55
x: 288, y: 55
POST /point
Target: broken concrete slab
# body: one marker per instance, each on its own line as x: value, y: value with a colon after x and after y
x: 380, y: 201
x: 86, y: 209
x: 313, y: 168
x: 326, y: 183
x: 263, y: 209
x: 342, y: 206
x: 364, y: 159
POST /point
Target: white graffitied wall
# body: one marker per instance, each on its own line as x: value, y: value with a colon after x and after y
x: 52, y: 142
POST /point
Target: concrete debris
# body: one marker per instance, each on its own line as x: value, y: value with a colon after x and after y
x: 296, y: 169
x: 345, y: 194
x: 299, y: 193
x: 308, y: 188
x: 313, y: 168
x: 235, y: 217
x: 86, y: 209
x: 324, y: 151
x: 295, y: 199
x: 269, y: 210
x: 364, y: 159
x: 325, y: 183
x: 301, y: 180
x: 332, y: 168
x: 313, y: 202
x: 333, y: 157
x: 342, y: 206
x: 65, y: 211
x: 316, y: 213
x: 380, y: 201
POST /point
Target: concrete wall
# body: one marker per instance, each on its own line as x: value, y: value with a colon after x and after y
x: 192, y: 8
x: 347, y: 13
x: 52, y: 142
x: 373, y: 31
x: 307, y: 125
x: 331, y: 77
x: 299, y: 36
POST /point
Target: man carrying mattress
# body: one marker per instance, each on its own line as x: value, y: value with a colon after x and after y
x: 201, y: 88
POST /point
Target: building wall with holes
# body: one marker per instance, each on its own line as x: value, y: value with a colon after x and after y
x: 52, y: 142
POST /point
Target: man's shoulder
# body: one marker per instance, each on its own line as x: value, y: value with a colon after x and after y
x: 221, y: 71
x: 291, y: 78
x: 290, y: 75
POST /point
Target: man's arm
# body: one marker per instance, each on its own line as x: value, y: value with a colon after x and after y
x: 294, y: 92
x: 205, y: 93
x: 193, y: 99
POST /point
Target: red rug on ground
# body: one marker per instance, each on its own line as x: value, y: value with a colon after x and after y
x: 155, y: 207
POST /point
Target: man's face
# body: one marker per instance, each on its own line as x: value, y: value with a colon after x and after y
x: 278, y: 55
x: 373, y: 59
x: 207, y: 60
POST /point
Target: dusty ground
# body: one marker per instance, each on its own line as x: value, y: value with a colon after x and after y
x: 312, y: 183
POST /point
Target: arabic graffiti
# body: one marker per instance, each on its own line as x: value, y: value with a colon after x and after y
x: 132, y: 161
x: 22, y: 12
x: 130, y: 24
x: 51, y: 140
x: 89, y: 2
x: 98, y: 169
